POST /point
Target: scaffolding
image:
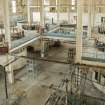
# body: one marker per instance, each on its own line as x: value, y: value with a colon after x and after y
x: 73, y: 92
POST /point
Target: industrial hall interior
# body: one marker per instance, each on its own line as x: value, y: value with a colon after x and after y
x: 52, y: 52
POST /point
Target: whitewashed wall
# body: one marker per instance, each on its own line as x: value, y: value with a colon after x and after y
x: 49, y: 16
x: 64, y: 17
x: 98, y: 19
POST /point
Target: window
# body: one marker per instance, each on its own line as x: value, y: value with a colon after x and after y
x: 96, y: 75
x: 53, y: 9
x: 36, y: 17
x: 29, y: 2
x: 102, y: 19
x: 13, y: 6
x: 46, y: 9
x: 46, y: 2
x: 73, y: 8
x: 73, y: 4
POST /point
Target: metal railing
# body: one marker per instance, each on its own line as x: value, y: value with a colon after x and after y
x: 94, y: 56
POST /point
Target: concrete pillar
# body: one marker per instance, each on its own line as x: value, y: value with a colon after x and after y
x: 42, y: 15
x: 8, y: 37
x: 69, y: 10
x: 89, y: 18
x: 57, y: 4
x: 28, y: 12
x: 10, y: 73
x: 93, y: 3
x: 99, y: 76
x: 79, y: 31
x: 7, y: 22
x: 43, y: 49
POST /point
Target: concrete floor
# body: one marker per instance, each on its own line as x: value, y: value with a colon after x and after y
x: 35, y: 91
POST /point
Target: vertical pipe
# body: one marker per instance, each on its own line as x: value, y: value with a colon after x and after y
x: 43, y: 49
x: 79, y: 31
x: 6, y: 89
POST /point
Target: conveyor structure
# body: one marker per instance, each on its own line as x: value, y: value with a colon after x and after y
x: 64, y: 32
x: 54, y: 33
